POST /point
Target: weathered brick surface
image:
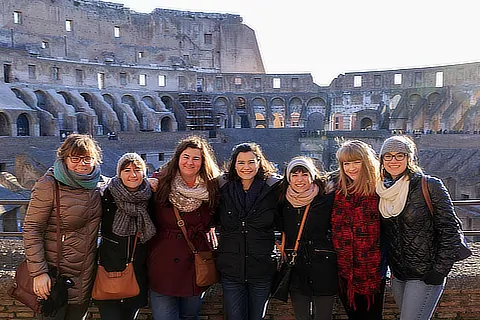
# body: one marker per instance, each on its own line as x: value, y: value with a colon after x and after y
x: 454, y: 304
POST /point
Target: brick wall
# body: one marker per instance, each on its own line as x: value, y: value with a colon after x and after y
x: 461, y: 300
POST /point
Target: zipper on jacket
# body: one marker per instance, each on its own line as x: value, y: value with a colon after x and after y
x: 324, y: 250
x: 111, y: 240
x: 244, y: 231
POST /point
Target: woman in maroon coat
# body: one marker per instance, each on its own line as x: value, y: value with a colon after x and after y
x: 187, y: 182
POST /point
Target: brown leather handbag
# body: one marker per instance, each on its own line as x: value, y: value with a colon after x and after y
x: 116, y: 285
x: 206, y: 273
x: 22, y: 287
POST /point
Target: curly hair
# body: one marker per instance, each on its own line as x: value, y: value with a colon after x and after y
x: 209, y: 170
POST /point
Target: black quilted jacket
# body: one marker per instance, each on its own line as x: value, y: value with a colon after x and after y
x: 419, y: 242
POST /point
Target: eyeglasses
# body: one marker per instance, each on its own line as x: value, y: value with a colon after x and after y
x: 86, y: 159
x: 397, y: 156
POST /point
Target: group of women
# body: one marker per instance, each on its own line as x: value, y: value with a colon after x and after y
x: 369, y: 214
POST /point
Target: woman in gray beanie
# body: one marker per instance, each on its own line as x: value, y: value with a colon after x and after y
x: 126, y: 222
x: 421, y: 246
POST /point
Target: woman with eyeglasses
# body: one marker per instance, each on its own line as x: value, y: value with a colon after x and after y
x: 76, y: 174
x: 421, y: 245
x: 248, y: 208
x: 356, y: 232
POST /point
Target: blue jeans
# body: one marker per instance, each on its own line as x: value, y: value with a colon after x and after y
x: 174, y: 308
x: 245, y: 301
x: 416, y: 299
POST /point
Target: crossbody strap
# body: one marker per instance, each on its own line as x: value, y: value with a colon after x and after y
x: 181, y: 224
x: 299, y: 235
x: 59, y: 240
x: 426, y: 194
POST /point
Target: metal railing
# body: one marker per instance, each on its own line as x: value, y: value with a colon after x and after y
x: 459, y: 203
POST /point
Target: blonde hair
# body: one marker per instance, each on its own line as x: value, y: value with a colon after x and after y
x: 364, y: 184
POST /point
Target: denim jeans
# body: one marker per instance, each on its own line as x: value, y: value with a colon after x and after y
x: 322, y: 306
x: 245, y: 301
x: 416, y: 299
x: 174, y: 308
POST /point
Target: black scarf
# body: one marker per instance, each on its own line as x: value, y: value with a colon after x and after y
x: 244, y: 200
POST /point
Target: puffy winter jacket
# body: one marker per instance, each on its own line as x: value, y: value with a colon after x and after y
x: 418, y: 241
x: 80, y: 213
x: 245, y: 247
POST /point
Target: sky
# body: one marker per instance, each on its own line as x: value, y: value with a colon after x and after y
x: 331, y: 37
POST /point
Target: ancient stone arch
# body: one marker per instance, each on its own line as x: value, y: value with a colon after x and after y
x: 122, y: 114
x: 315, y: 112
x: 277, y: 107
x: 260, y: 111
x: 5, y: 124
x: 221, y: 108
x: 168, y: 101
x: 295, y: 107
x: 166, y: 124
x: 23, y: 125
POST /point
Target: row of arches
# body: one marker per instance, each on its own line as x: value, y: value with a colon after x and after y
x: 89, y: 112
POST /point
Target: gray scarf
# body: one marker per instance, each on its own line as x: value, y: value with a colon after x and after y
x: 132, y: 216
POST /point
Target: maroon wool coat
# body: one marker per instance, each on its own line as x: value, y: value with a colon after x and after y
x: 171, y: 268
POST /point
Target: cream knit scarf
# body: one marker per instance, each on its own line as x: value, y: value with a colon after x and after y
x: 301, y: 199
x: 187, y: 199
x: 393, y: 199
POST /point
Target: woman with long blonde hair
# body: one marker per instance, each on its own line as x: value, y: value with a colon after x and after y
x: 356, y: 232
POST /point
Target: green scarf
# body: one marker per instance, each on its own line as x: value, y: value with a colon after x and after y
x: 73, y: 179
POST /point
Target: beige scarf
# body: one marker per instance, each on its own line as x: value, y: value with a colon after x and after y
x: 301, y: 199
x: 188, y: 199
x: 393, y: 199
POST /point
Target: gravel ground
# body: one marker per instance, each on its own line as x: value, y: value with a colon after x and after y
x: 12, y: 253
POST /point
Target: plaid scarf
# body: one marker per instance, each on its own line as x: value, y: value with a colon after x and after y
x: 356, y: 239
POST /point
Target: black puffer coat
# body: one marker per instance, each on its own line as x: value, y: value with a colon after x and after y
x: 315, y: 271
x: 419, y: 242
x: 245, y: 246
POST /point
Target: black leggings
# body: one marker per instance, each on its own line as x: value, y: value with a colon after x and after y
x: 69, y: 312
x: 361, y: 311
x: 322, y: 306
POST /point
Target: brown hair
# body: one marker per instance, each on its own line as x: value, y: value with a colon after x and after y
x: 80, y: 145
x: 319, y: 179
x: 412, y: 163
x: 209, y: 170
x: 265, y: 170
x: 355, y: 150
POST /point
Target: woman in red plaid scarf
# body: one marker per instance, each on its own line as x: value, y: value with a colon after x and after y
x: 356, y: 232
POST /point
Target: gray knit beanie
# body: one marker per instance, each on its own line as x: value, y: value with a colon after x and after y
x: 131, y: 157
x: 399, y: 144
x: 304, y: 162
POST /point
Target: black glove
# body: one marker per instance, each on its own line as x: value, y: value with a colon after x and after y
x: 433, y: 277
x: 58, y: 296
